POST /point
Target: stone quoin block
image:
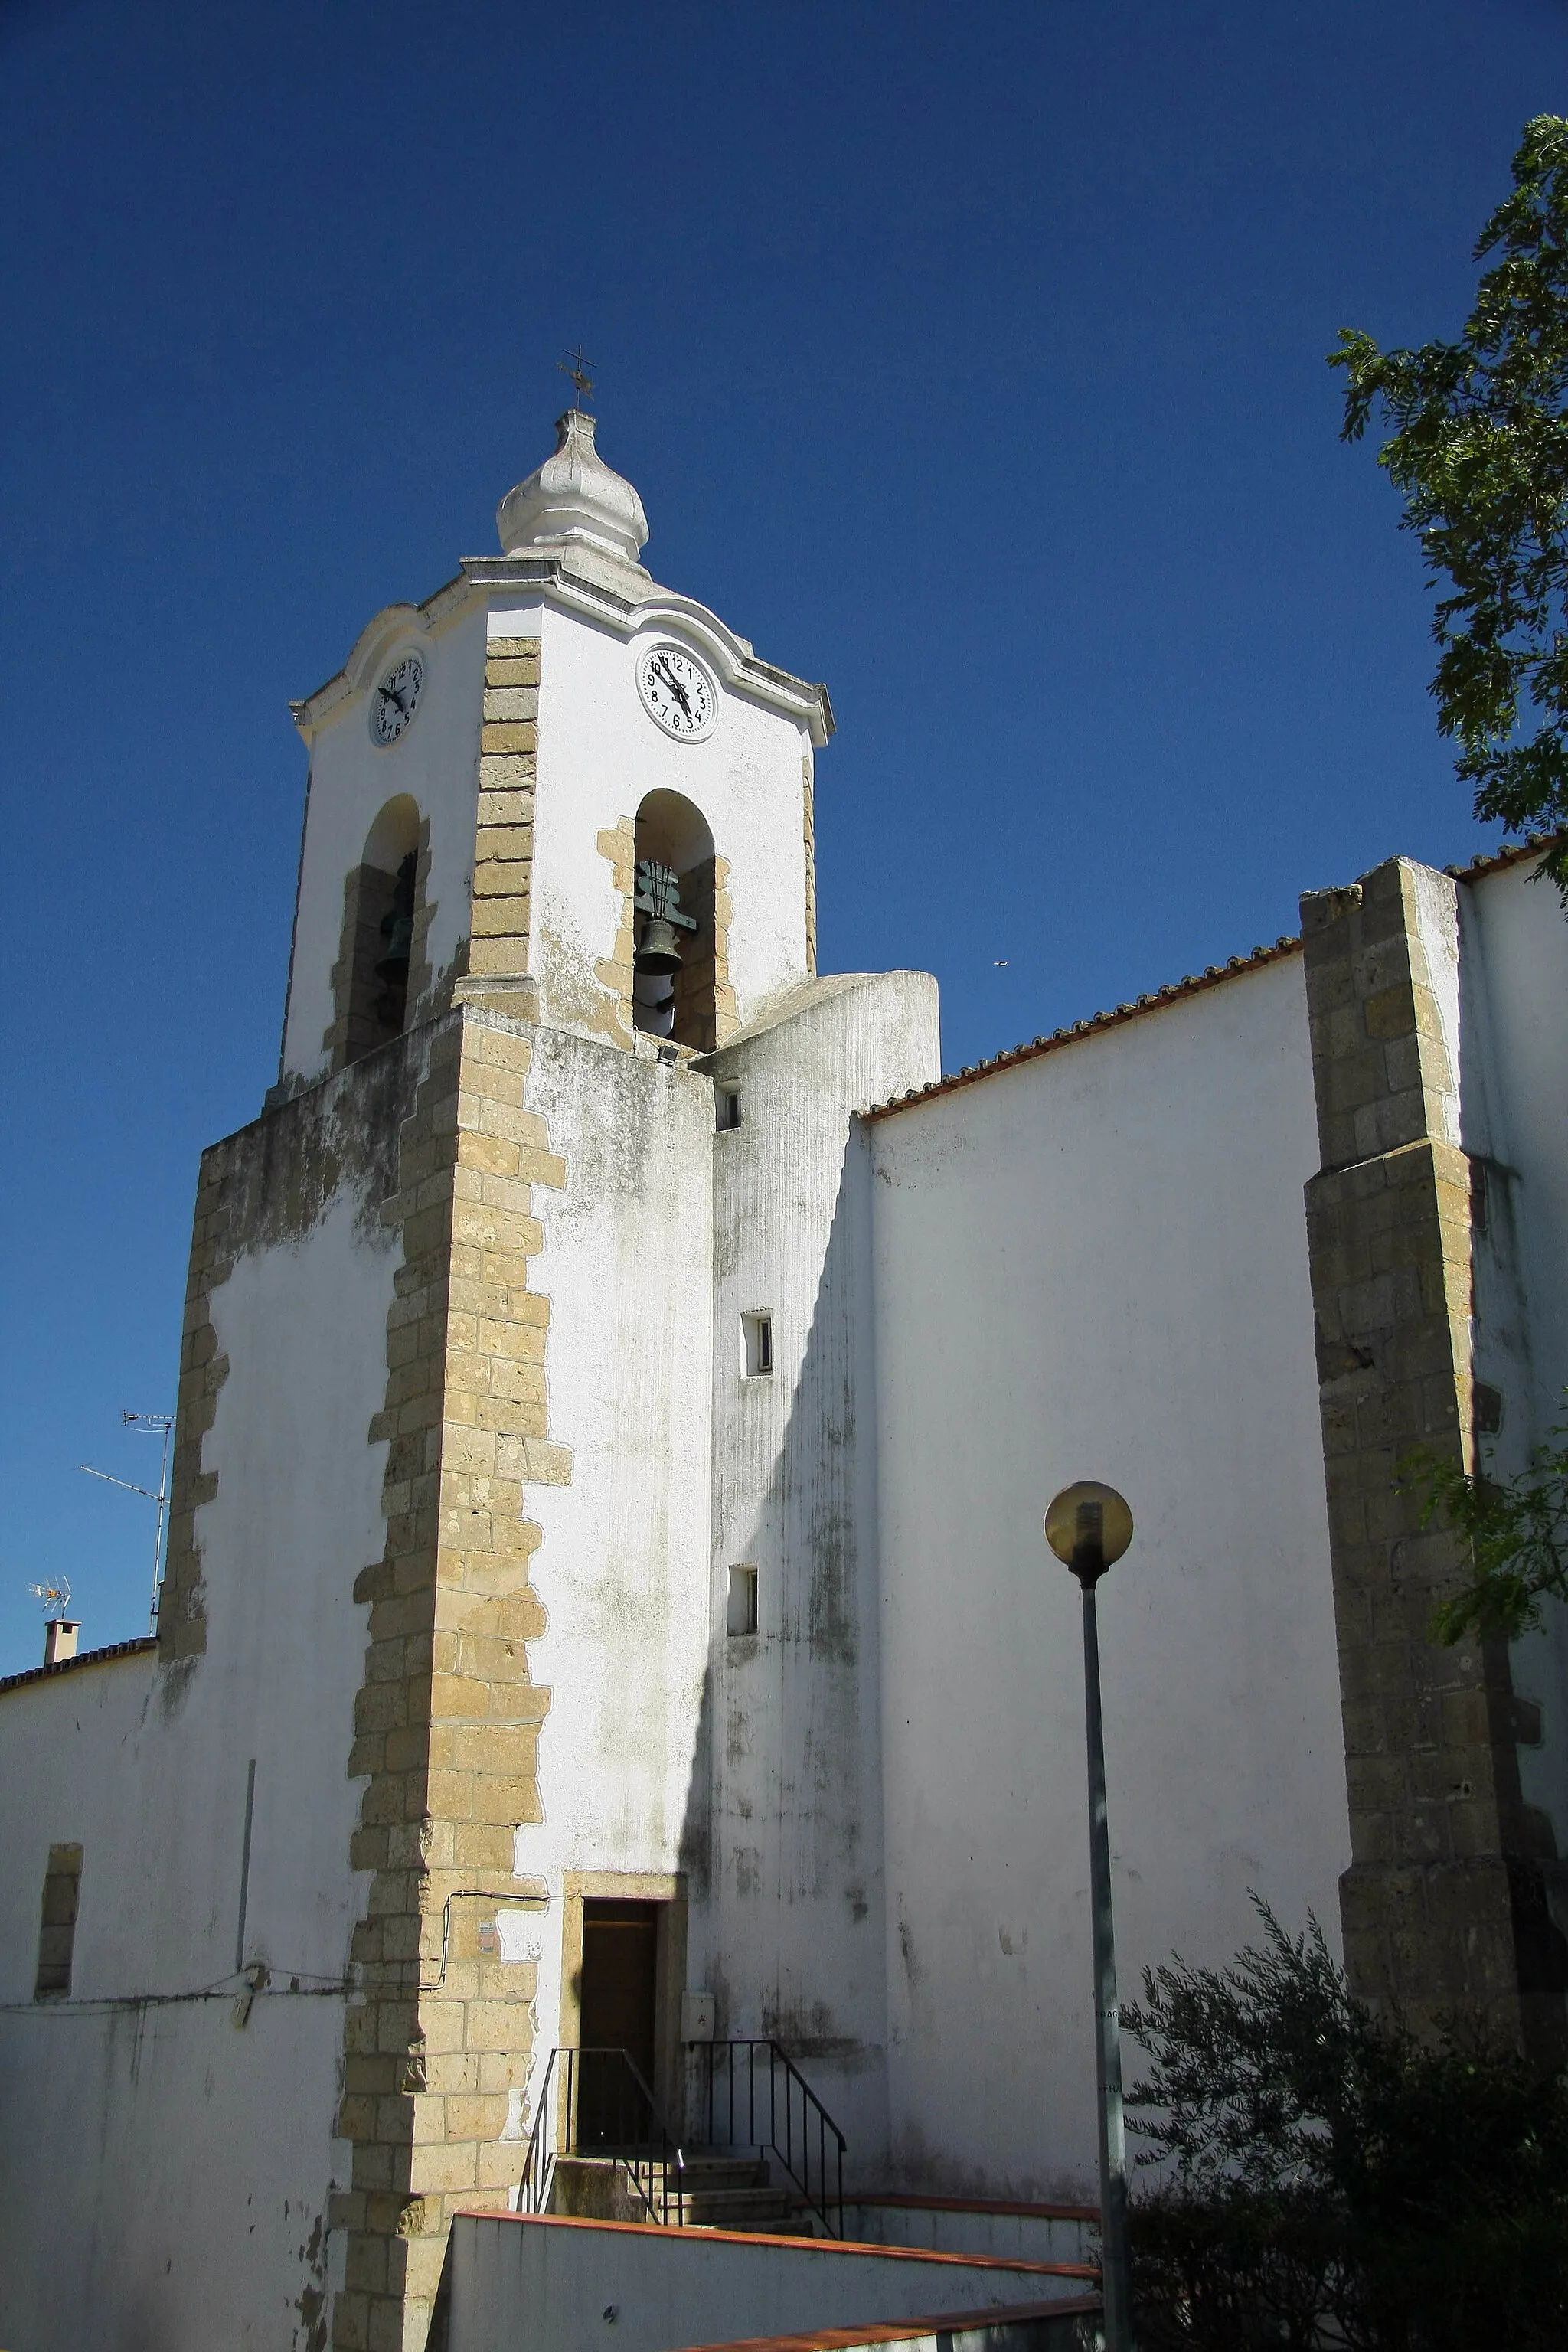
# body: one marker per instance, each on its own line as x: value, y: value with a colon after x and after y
x: 1443, y: 1903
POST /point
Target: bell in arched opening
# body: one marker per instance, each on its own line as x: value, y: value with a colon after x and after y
x: 675, y: 944
x: 397, y: 932
x: 379, y: 959
x: 657, y: 959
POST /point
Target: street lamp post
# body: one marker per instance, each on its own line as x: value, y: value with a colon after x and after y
x: 1088, y: 1527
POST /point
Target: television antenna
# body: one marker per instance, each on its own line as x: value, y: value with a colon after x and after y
x: 56, y: 1597
x: 155, y: 1425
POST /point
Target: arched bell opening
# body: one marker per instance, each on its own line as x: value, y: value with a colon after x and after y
x: 381, y: 908
x: 675, y: 961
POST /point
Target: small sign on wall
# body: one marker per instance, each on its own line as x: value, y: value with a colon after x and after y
x: 698, y: 2012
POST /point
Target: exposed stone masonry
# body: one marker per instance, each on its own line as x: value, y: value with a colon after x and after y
x: 1444, y: 1905
x: 704, y: 999
x: 448, y: 1720
x: 618, y: 843
x: 503, y: 843
x: 182, y: 1612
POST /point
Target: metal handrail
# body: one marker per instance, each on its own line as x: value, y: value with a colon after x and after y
x: 796, y: 2153
x: 647, y: 2152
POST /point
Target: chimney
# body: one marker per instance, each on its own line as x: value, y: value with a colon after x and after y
x: 59, y: 1639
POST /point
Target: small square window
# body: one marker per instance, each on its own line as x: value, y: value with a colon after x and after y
x: 726, y: 1107
x: 759, y: 1336
x: 741, y: 1611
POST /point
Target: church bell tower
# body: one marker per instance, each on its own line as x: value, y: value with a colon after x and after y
x: 457, y: 1374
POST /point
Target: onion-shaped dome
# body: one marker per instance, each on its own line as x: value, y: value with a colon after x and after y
x: 574, y: 498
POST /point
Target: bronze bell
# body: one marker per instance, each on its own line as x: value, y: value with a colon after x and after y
x: 394, y: 964
x: 659, y: 950
x: 398, y: 925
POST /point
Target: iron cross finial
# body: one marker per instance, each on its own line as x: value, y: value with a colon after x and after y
x: 576, y: 367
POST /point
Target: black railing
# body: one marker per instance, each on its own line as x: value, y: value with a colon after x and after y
x: 750, y: 2095
x: 602, y: 2107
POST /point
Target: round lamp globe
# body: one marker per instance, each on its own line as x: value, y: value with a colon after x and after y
x: 1088, y: 1525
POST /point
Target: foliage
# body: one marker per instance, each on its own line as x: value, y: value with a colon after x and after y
x: 1330, y: 2180
x: 1517, y: 1530
x: 1479, y: 450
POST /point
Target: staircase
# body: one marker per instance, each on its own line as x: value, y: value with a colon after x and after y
x: 769, y: 2158
x: 704, y: 2189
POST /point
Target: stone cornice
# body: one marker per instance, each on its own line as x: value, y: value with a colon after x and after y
x: 557, y: 580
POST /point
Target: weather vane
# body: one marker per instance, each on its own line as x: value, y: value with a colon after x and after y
x: 576, y: 367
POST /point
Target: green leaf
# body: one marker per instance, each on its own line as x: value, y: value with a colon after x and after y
x: 1479, y: 454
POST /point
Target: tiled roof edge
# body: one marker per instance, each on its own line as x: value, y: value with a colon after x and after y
x: 1484, y: 863
x: 82, y: 1658
x: 1494, y: 861
x: 1173, y: 993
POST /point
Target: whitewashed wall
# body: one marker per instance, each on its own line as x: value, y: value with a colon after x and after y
x: 622, y: 1571
x: 352, y: 779
x: 600, y: 755
x: 1513, y: 1065
x: 791, y: 1937
x: 1095, y: 1266
x: 185, y: 2165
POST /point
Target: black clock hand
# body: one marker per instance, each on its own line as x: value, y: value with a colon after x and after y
x: 675, y: 686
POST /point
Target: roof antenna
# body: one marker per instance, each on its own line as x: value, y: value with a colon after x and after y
x: 156, y: 1423
x: 56, y: 1597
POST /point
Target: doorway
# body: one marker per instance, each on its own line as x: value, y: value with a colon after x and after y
x: 620, y: 2010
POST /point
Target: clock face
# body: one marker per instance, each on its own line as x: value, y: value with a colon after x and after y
x: 678, y: 691
x: 393, y: 702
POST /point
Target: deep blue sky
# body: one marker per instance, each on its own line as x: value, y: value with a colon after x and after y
x: 969, y: 357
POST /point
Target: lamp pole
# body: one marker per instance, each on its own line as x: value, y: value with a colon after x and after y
x: 1087, y: 1527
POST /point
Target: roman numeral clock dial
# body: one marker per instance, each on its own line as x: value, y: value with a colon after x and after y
x: 676, y: 692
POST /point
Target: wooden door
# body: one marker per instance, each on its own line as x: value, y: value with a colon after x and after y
x: 619, y: 2011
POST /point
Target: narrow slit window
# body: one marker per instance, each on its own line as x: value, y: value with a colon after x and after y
x: 759, y: 1336
x: 57, y: 1927
x: 726, y: 1107
x: 741, y: 1611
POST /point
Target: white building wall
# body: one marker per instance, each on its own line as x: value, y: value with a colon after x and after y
x: 600, y: 755
x: 1094, y: 1265
x: 187, y: 2164
x: 1513, y: 1063
x: 352, y: 779
x: 622, y: 1571
x: 791, y: 1937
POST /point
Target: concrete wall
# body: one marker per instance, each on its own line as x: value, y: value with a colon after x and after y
x: 1094, y: 1265
x: 1039, y: 2234
x: 526, y: 2284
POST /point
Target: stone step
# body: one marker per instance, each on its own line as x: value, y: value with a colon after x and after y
x: 735, y: 2209
x: 709, y: 2189
x: 719, y: 2171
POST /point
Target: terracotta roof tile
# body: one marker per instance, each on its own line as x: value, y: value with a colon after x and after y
x: 1492, y: 862
x: 1194, y: 984
x: 82, y: 1658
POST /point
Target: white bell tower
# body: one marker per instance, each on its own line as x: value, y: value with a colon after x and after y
x: 547, y: 724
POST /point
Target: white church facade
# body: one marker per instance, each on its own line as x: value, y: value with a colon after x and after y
x: 605, y: 1600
